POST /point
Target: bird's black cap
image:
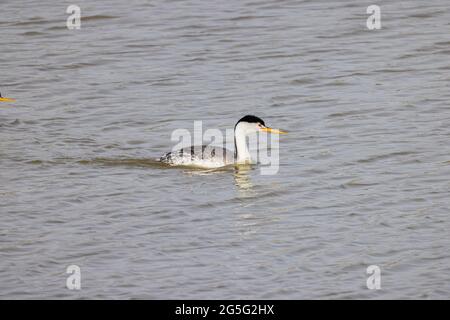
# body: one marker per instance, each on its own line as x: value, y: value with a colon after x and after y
x: 251, y: 119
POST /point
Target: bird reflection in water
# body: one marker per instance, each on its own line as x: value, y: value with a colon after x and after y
x: 243, y: 181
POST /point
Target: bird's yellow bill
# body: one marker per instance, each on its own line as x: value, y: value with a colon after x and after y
x: 7, y: 99
x: 267, y: 129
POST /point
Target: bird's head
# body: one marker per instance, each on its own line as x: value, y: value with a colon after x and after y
x: 252, y: 124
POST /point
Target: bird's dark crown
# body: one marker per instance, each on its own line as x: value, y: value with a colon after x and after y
x: 251, y: 119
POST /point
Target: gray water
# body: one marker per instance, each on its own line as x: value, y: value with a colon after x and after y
x: 364, y: 171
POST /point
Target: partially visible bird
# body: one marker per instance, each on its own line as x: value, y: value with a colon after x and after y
x: 4, y: 99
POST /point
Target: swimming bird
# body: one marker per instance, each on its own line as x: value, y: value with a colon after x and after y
x: 206, y: 156
x: 6, y: 99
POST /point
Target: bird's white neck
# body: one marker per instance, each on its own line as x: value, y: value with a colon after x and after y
x: 240, y: 141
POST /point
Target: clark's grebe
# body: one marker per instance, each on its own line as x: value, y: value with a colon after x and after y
x: 215, y: 157
x: 6, y: 99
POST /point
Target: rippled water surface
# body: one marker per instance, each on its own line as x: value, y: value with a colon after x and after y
x: 364, y: 172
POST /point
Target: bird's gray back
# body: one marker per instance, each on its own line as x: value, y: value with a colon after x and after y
x: 198, y: 155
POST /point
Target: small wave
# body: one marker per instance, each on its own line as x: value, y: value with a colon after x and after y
x: 98, y: 17
x: 33, y: 21
x: 151, y: 163
x: 130, y: 162
x: 32, y: 33
x: 386, y: 156
x: 356, y: 183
